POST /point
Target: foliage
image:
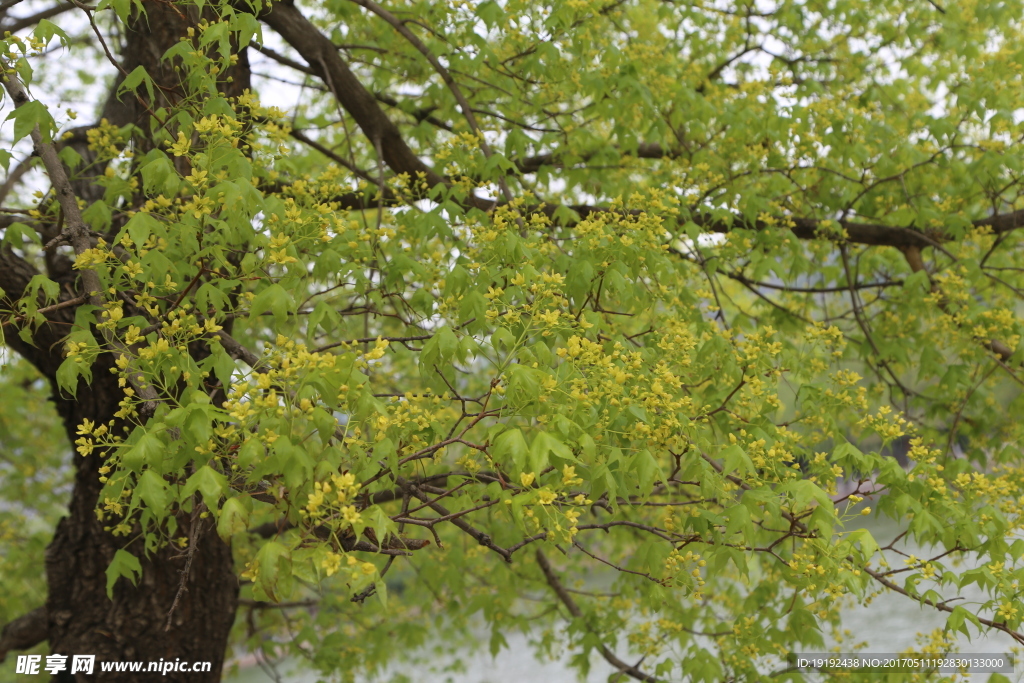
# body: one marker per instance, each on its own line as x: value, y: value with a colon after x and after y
x: 630, y: 298
x: 35, y: 475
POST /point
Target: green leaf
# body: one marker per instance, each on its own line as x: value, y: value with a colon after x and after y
x: 804, y: 491
x: 868, y: 544
x: 124, y: 564
x: 121, y: 8
x: 132, y: 81
x: 250, y: 453
x: 17, y: 234
x: 736, y: 459
x: 71, y: 158
x: 739, y: 520
x: 274, y: 298
x: 233, y: 519
x: 210, y: 483
x: 378, y: 520
x: 29, y: 115
x: 148, y: 450
x: 502, y: 339
x: 447, y: 343
x: 647, y: 469
x: 274, y: 579
x: 247, y: 26
x: 510, y: 446
x: 67, y: 376
x: 153, y: 491
x: 158, y: 177
x: 45, y: 30
x: 544, y: 445
x: 491, y: 13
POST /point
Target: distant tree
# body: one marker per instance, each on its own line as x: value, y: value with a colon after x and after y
x: 593, y: 320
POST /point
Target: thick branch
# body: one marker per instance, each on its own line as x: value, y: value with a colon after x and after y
x: 323, y: 59
x: 875, y: 234
x: 453, y: 86
x: 76, y: 233
x: 21, y: 23
x: 325, y: 62
x: 26, y: 631
x: 645, y: 150
x: 1006, y: 222
x: 239, y: 352
x: 284, y: 60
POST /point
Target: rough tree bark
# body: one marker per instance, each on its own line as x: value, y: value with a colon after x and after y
x: 79, y: 617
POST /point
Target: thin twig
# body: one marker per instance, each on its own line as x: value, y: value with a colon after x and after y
x: 574, y: 610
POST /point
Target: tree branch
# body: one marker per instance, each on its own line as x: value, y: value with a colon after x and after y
x: 239, y: 352
x: 25, y: 632
x: 574, y: 610
x: 77, y: 233
x: 941, y: 606
x: 449, y: 81
x: 477, y: 535
x: 322, y: 56
x: 645, y: 150
x: 324, y: 60
x: 31, y: 20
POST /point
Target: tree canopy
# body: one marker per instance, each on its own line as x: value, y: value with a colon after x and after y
x: 604, y: 321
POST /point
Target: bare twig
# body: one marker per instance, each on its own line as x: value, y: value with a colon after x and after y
x: 574, y: 610
x: 56, y: 307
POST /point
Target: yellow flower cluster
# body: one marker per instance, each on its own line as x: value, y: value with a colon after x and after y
x: 886, y: 425
x: 323, y: 506
x: 685, y: 570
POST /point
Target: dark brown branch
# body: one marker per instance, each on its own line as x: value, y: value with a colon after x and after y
x: 477, y: 535
x: 30, y: 21
x: 281, y: 59
x: 8, y: 4
x: 260, y: 604
x: 77, y: 234
x: 422, y: 114
x: 740, y: 277
x: 875, y: 234
x: 322, y: 56
x: 645, y: 150
x: 442, y: 71
x: 941, y: 606
x: 574, y: 610
x: 239, y: 352
x: 25, y: 632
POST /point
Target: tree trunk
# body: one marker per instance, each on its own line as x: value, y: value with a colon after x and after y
x: 134, y: 625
